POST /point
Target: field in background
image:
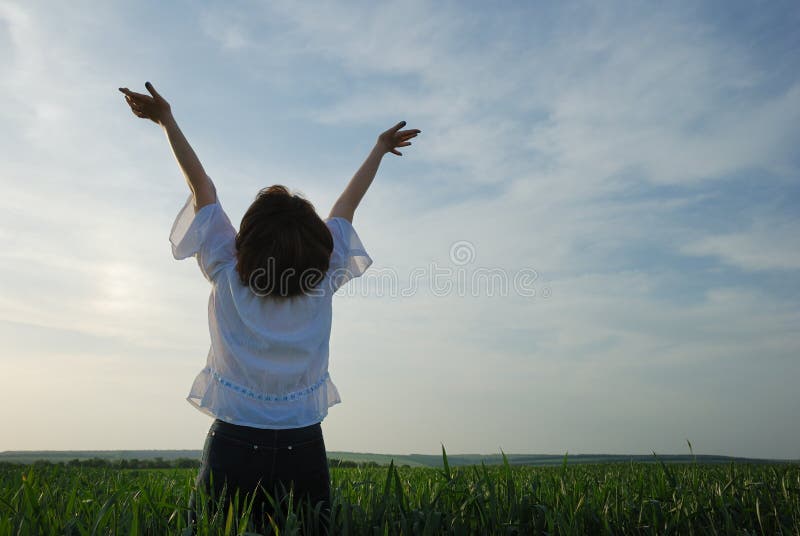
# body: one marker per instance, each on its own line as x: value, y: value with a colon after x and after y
x: 618, y: 498
x: 411, y: 460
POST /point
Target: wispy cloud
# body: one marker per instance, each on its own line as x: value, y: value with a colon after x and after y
x: 768, y: 245
x: 640, y: 159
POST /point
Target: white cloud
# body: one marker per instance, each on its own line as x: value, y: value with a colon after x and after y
x: 768, y: 245
x: 597, y: 98
x: 603, y: 351
x: 536, y: 123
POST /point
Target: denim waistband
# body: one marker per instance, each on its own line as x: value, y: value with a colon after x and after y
x: 268, y: 436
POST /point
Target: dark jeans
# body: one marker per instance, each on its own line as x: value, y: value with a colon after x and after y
x: 244, y: 457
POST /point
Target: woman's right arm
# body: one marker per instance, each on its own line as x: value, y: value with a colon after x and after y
x: 158, y: 110
x: 345, y: 206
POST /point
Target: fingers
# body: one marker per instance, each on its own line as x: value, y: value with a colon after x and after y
x: 143, y: 106
x: 401, y: 137
x: 136, y: 96
x: 139, y: 113
x: 395, y: 131
x: 407, y: 135
x: 132, y: 103
x: 398, y: 126
x: 136, y: 108
x: 152, y: 91
x: 132, y: 94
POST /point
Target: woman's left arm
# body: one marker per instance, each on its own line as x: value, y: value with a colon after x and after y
x: 388, y: 142
x: 158, y: 110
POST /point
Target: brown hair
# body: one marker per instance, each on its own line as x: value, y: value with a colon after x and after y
x: 283, y: 246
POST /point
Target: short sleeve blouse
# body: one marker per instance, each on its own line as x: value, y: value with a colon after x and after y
x: 267, y: 365
x: 349, y: 258
x: 208, y: 235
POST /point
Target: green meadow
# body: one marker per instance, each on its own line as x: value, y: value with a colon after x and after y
x: 590, y: 498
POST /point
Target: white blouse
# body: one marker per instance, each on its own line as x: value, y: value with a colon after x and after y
x: 267, y: 366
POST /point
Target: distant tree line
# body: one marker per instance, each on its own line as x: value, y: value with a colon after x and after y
x: 335, y: 462
x: 132, y: 463
x: 158, y: 463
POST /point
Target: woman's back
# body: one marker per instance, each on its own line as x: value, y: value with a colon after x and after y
x: 267, y: 366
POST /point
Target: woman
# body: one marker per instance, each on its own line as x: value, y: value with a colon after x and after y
x: 266, y: 380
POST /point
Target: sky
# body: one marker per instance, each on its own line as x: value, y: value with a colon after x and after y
x: 588, y: 249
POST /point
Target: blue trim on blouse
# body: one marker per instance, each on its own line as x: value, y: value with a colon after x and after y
x: 263, y: 396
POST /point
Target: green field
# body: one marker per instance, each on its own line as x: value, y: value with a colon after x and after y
x: 612, y: 498
x: 411, y: 460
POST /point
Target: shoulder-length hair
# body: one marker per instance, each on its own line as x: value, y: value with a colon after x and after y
x: 283, y: 246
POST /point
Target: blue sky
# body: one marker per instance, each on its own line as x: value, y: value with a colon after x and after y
x: 640, y: 159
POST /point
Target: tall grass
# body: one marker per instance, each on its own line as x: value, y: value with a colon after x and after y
x: 571, y: 499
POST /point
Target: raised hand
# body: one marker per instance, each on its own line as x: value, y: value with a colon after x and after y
x: 152, y: 106
x: 345, y: 206
x: 155, y: 108
x: 394, y: 137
